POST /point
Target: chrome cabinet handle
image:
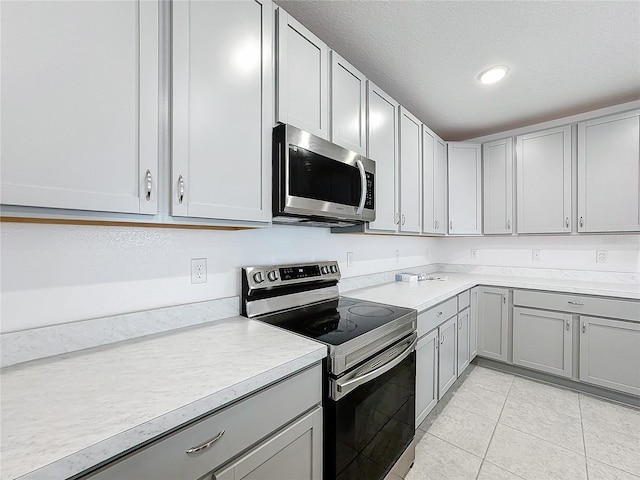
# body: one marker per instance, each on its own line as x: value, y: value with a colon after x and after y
x: 204, y: 446
x: 571, y: 302
x: 566, y: 222
x: 397, y: 219
x: 149, y: 184
x: 363, y: 186
x: 460, y: 326
x: 441, y: 339
x: 437, y: 224
x: 504, y: 299
x: 451, y: 225
x: 403, y: 219
x: 581, y: 221
x: 180, y: 189
x: 438, y: 314
x: 584, y: 327
x: 508, y: 224
x: 567, y: 325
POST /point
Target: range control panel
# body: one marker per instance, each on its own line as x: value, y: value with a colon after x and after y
x: 281, y: 275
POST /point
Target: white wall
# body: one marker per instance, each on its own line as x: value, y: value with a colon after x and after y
x: 558, y: 252
x: 60, y: 273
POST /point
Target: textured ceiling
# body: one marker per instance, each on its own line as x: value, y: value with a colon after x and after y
x: 565, y: 57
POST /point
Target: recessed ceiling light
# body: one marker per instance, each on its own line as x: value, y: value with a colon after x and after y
x: 493, y: 74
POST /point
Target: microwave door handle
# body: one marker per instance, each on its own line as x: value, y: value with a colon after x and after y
x: 363, y: 184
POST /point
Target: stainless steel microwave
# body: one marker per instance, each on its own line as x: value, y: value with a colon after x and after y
x: 318, y: 183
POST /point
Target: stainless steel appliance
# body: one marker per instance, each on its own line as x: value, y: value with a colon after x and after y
x: 369, y: 404
x: 318, y: 183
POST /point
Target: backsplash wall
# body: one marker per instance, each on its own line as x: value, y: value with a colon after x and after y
x: 53, y: 274
x: 556, y: 252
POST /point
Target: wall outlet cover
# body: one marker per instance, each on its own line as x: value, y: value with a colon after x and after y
x: 474, y: 253
x: 349, y: 259
x: 535, y: 255
x: 198, y: 270
x: 601, y: 256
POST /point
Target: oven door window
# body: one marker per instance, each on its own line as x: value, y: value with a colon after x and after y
x: 320, y: 178
x: 368, y: 429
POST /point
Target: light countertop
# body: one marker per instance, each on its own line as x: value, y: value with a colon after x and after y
x: 425, y: 294
x: 68, y: 413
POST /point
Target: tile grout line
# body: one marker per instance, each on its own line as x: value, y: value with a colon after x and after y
x: 494, y: 431
x: 584, y: 443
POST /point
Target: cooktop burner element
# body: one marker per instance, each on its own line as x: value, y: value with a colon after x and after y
x: 371, y: 311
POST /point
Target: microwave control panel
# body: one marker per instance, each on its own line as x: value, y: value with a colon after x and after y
x: 369, y: 202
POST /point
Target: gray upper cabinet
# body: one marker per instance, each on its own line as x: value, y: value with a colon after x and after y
x: 348, y: 105
x: 222, y: 80
x: 80, y: 105
x: 542, y: 340
x: 465, y: 202
x: 609, y: 174
x: 302, y: 77
x: 543, y: 168
x: 497, y: 176
x: 382, y: 147
x: 610, y: 353
x: 493, y: 323
x: 434, y: 183
x: 410, y: 177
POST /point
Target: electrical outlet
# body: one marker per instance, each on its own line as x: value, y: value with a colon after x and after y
x: 198, y: 270
x: 426, y: 253
x: 601, y: 256
x: 349, y: 259
x: 397, y: 256
x: 535, y: 255
x: 474, y: 254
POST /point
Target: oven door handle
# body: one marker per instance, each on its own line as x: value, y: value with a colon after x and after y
x: 363, y: 184
x: 343, y: 388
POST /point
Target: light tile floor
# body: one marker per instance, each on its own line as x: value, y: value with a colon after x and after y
x: 493, y: 425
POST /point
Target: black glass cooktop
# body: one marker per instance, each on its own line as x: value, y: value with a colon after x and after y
x: 339, y: 321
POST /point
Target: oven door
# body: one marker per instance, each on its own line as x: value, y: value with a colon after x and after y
x: 370, y: 415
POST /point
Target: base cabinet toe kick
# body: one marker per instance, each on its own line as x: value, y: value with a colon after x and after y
x: 586, y: 339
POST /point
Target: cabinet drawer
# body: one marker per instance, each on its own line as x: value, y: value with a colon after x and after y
x: 244, y: 424
x: 433, y: 317
x: 463, y: 300
x: 581, y: 304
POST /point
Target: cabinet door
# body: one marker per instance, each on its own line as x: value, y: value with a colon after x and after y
x: 80, y: 105
x: 610, y: 353
x: 465, y: 213
x: 440, y: 187
x: 609, y: 174
x: 428, y: 180
x: 295, y: 452
x: 302, y: 77
x: 497, y: 174
x: 434, y: 183
x: 348, y: 105
x: 463, y: 355
x: 493, y: 323
x: 544, y: 181
x: 447, y: 355
x: 426, y: 375
x: 410, y: 175
x: 221, y: 104
x: 382, y: 148
x: 542, y: 340
x: 473, y: 324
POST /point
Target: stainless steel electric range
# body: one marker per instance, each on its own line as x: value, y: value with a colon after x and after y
x: 369, y: 384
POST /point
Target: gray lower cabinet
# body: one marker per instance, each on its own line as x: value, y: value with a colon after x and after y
x: 473, y: 324
x: 610, y: 353
x: 295, y: 452
x: 493, y: 322
x: 448, y: 355
x: 463, y: 356
x: 426, y: 375
x: 265, y: 430
x: 542, y: 340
